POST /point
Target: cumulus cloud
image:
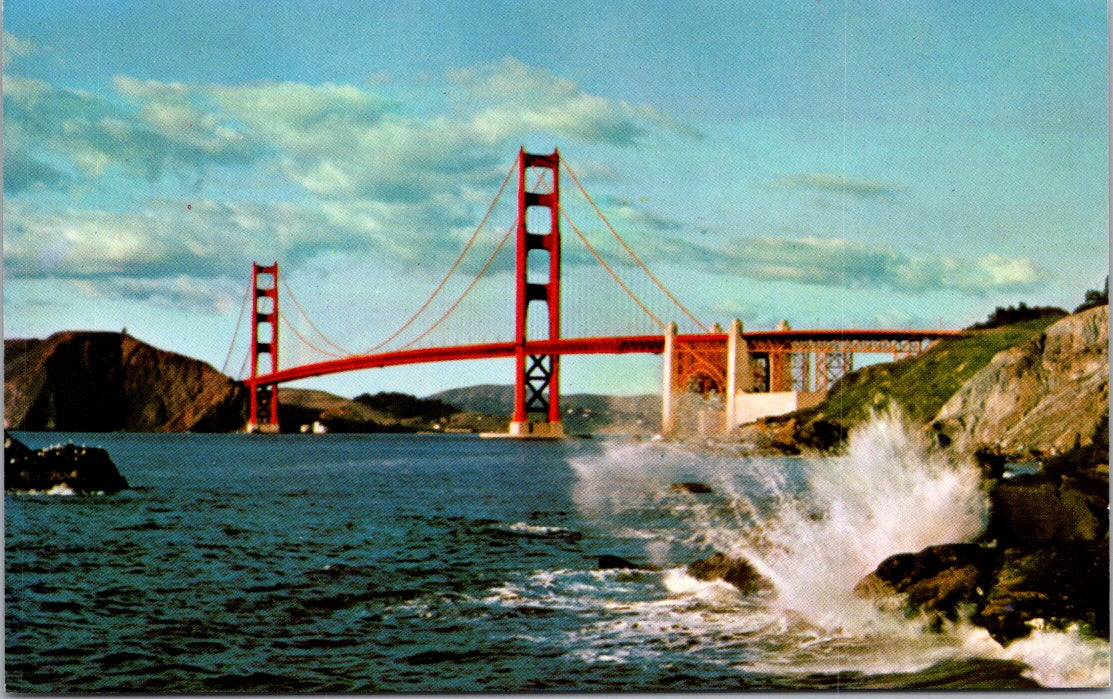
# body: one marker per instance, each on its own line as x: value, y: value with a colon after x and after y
x: 93, y: 135
x: 203, y: 239
x: 839, y: 263
x: 838, y: 184
x: 522, y: 98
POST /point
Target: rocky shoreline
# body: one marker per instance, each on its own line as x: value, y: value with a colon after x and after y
x: 1043, y: 560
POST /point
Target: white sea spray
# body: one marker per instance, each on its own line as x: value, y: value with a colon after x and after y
x: 814, y: 527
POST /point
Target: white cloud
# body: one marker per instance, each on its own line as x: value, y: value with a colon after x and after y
x: 14, y: 47
x: 210, y: 296
x: 841, y: 184
x: 841, y: 263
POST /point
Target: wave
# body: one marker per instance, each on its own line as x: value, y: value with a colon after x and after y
x: 813, y: 527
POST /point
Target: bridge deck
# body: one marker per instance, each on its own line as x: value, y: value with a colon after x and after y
x: 852, y: 340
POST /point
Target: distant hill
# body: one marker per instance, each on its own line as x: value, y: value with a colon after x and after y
x: 580, y: 412
x: 103, y: 381
x: 86, y: 381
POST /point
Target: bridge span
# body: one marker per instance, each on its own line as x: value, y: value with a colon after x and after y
x: 749, y: 373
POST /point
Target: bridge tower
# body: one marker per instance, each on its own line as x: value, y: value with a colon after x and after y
x: 536, y: 376
x: 263, y: 399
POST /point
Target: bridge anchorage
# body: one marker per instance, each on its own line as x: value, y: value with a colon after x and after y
x: 712, y: 381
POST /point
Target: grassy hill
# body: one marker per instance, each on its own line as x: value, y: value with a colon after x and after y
x: 920, y: 385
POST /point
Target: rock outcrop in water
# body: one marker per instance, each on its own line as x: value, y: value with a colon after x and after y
x: 736, y: 571
x: 1006, y: 590
x: 1044, y: 555
x: 102, y: 381
x: 80, y: 469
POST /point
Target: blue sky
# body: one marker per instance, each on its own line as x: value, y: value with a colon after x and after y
x: 837, y: 164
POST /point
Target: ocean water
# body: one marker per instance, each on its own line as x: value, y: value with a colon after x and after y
x: 447, y: 563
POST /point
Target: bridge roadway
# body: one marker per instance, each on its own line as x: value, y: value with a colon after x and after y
x: 786, y: 340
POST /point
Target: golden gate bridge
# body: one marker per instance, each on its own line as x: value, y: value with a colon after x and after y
x: 752, y: 373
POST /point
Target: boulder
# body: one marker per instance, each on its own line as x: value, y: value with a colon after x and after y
x: 1061, y: 584
x: 1005, y: 590
x: 81, y: 469
x: 937, y: 581
x: 736, y: 571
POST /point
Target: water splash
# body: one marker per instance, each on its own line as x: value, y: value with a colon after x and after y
x: 1055, y: 658
x: 889, y: 494
x: 814, y: 527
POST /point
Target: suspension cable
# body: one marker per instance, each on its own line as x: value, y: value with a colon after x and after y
x: 541, y: 178
x: 467, y: 291
x: 301, y: 337
x: 452, y: 269
x: 607, y: 267
x: 629, y: 251
x: 236, y: 333
x: 243, y: 366
x: 290, y: 293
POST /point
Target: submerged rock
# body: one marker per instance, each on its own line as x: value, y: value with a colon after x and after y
x: 736, y: 571
x: 691, y: 487
x: 610, y: 562
x: 81, y: 469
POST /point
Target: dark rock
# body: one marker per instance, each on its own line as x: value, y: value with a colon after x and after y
x: 1034, y: 510
x: 611, y: 562
x: 82, y: 469
x: 990, y: 461
x: 935, y: 581
x: 691, y: 487
x: 1064, y: 583
x: 736, y: 571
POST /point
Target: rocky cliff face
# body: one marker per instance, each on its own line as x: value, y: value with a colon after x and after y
x: 100, y: 381
x: 1047, y: 395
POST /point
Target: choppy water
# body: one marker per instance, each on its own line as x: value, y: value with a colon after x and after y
x: 360, y: 563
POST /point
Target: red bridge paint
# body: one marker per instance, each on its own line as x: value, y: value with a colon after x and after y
x: 878, y: 340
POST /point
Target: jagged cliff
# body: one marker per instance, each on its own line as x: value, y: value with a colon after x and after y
x: 103, y: 381
x: 1047, y: 395
x: 1033, y: 388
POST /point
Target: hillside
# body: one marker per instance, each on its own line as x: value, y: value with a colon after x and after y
x: 1005, y: 366
x: 102, y: 381
x: 581, y: 412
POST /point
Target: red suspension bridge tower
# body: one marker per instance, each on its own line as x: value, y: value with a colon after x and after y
x: 536, y: 376
x: 263, y: 398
